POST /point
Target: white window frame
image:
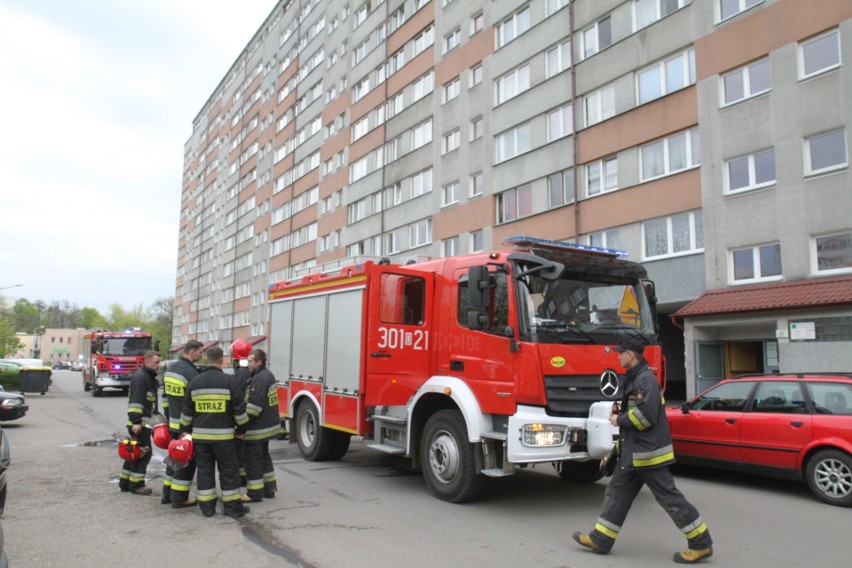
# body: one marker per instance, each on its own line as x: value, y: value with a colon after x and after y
x: 512, y: 27
x: 513, y: 196
x: 564, y: 119
x: 752, y: 173
x: 742, y: 6
x: 475, y: 76
x: 450, y: 194
x: 477, y: 128
x: 800, y: 51
x: 451, y: 141
x: 420, y: 233
x: 474, y: 184
x: 450, y: 247
x: 607, y: 178
x: 597, y: 107
x: 809, y: 171
x: 507, y: 143
x: 815, y: 270
x: 561, y: 55
x: 589, y: 48
x: 755, y: 265
x: 450, y: 90
x: 658, y: 12
x: 452, y: 40
x: 477, y: 23
x: 746, y: 73
x: 511, y: 84
x: 693, y: 161
x: 687, y: 65
x: 694, y: 247
x: 474, y: 237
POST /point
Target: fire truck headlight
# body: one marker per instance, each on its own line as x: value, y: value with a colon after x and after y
x: 543, y: 435
x: 103, y: 374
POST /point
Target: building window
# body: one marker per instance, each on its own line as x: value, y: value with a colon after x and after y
x: 665, y: 77
x: 476, y: 128
x: 605, y: 239
x: 452, y: 40
x: 450, y: 194
x: 832, y: 254
x: 421, y: 183
x: 475, y: 76
x: 560, y: 122
x: 671, y: 155
x: 422, y: 87
x: 554, y: 6
x: 560, y: 188
x: 746, y: 82
x: 512, y: 84
x: 825, y: 152
x: 646, y: 12
x: 450, y: 247
x: 751, y: 172
x: 819, y: 54
x: 476, y: 184
x: 421, y: 134
x: 450, y: 90
x: 558, y: 59
x: 391, y: 242
x: 514, y: 203
x: 599, y: 105
x: 755, y: 264
x: 512, y: 27
x: 477, y: 22
x: 676, y: 235
x: 451, y: 141
x: 730, y: 8
x: 602, y: 176
x: 420, y: 233
x: 477, y: 241
x: 423, y: 40
x: 512, y: 143
x: 597, y: 37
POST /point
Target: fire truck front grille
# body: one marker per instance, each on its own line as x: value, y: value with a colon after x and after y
x: 572, y: 395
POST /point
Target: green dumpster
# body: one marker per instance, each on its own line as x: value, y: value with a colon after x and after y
x: 35, y: 379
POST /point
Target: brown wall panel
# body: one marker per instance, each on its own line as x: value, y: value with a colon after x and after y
x: 412, y: 27
x: 469, y: 216
x: 363, y: 145
x: 409, y: 72
x: 465, y: 56
x: 555, y: 224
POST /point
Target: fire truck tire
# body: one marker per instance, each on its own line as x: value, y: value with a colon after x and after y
x: 97, y: 391
x: 340, y: 446
x: 315, y: 442
x: 581, y: 472
x: 449, y: 464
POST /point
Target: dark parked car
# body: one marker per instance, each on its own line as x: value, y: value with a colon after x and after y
x: 795, y: 426
x: 13, y: 405
x: 4, y: 465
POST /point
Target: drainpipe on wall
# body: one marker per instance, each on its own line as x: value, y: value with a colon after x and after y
x: 574, y: 143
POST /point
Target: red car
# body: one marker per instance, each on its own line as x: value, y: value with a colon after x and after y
x: 794, y: 426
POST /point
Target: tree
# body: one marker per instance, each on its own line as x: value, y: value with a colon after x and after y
x: 9, y: 343
x: 160, y: 317
x: 119, y: 318
x: 25, y: 316
x: 90, y: 318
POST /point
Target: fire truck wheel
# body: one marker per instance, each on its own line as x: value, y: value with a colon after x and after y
x: 449, y: 464
x: 581, y: 472
x: 97, y: 391
x: 315, y: 442
x: 340, y: 446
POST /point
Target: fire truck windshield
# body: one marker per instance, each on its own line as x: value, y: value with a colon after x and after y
x: 126, y: 345
x: 584, y: 308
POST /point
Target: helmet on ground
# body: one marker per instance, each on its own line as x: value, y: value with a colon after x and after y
x: 181, y: 450
x: 129, y: 450
x: 161, y: 436
x: 240, y: 349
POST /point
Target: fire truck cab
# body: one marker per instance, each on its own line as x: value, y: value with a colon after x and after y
x: 469, y: 365
x: 111, y: 357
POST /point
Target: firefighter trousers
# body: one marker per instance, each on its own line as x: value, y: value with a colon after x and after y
x: 177, y: 482
x: 132, y: 475
x: 208, y: 457
x: 259, y: 470
x: 239, y: 446
x: 622, y: 490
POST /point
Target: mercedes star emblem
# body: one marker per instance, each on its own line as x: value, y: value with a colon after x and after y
x: 609, y: 383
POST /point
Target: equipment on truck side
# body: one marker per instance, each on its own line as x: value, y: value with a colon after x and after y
x: 468, y: 365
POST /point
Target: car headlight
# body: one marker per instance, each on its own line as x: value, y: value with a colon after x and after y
x: 543, y: 435
x: 12, y: 402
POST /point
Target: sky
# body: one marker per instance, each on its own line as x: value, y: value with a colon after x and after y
x: 98, y: 99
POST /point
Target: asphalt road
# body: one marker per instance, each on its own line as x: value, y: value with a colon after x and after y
x: 367, y: 511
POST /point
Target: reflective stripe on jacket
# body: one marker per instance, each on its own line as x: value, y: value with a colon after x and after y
x: 646, y: 440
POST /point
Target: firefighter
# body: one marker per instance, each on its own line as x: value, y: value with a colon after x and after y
x: 176, y: 484
x: 240, y: 350
x: 141, y: 406
x: 212, y: 409
x: 645, y: 452
x: 264, y: 425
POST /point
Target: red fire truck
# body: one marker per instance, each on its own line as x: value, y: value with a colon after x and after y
x: 111, y: 357
x: 469, y: 365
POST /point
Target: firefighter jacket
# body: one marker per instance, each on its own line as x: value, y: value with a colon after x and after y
x: 142, y: 398
x: 212, y: 408
x: 242, y: 376
x: 262, y: 406
x: 646, y: 440
x: 175, y: 381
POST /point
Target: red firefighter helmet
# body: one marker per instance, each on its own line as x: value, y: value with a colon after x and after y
x: 129, y: 450
x: 161, y: 436
x: 240, y: 349
x: 181, y: 450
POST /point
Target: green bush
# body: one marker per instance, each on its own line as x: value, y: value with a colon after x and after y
x: 11, y: 380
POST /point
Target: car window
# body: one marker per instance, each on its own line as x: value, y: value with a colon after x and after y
x: 779, y: 396
x: 831, y: 398
x: 727, y: 396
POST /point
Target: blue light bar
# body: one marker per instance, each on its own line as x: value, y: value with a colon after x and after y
x: 523, y: 242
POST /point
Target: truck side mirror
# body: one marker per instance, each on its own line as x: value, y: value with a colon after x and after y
x: 478, y: 282
x: 476, y: 321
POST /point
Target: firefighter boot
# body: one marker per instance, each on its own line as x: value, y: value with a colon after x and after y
x: 690, y: 556
x: 184, y: 504
x: 585, y: 540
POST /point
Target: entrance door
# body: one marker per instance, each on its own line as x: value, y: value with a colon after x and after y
x: 710, y: 364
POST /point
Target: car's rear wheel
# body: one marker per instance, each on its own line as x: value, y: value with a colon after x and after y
x: 829, y: 475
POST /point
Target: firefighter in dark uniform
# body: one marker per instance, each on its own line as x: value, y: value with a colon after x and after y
x: 264, y: 425
x: 141, y: 406
x: 212, y: 409
x: 176, y: 484
x: 240, y: 350
x: 645, y: 452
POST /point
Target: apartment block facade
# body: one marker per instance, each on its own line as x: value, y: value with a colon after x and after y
x: 688, y: 133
